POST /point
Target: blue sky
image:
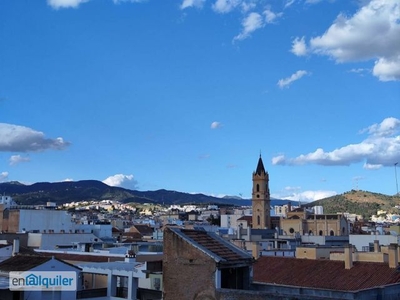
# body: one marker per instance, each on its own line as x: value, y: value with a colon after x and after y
x: 185, y: 94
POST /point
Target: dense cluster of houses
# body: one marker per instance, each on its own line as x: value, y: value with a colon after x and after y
x: 188, y: 252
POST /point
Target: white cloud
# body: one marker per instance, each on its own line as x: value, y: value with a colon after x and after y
x: 68, y: 180
x: 192, y: 3
x: 251, y: 23
x: 247, y: 6
x: 380, y: 148
x: 312, y: 1
x: 57, y: 4
x: 305, y: 196
x: 292, y: 188
x: 215, y: 125
x: 282, y: 83
x: 372, y: 167
x: 132, y: 1
x: 299, y: 47
x: 360, y: 71
x: 121, y: 180
x: 3, y: 176
x: 387, y: 69
x: 388, y: 126
x: 270, y: 16
x: 289, y: 3
x: 372, y: 33
x: 16, y: 159
x: 225, y: 6
x: 279, y: 160
x: 14, y: 138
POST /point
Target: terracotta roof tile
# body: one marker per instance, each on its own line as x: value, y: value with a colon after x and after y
x: 115, y: 229
x: 22, y: 263
x: 324, y: 274
x: 144, y: 229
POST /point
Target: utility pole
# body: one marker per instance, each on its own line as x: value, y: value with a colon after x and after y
x: 395, y: 175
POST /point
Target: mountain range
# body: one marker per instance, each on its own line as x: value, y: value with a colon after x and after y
x: 89, y: 190
x: 355, y: 201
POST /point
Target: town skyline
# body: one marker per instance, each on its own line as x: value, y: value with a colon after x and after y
x: 185, y: 95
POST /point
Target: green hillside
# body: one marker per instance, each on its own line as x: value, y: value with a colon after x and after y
x: 358, y: 202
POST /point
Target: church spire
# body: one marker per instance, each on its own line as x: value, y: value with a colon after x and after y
x: 260, y: 167
x: 261, y: 201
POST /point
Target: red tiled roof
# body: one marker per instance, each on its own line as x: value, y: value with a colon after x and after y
x: 115, y: 229
x: 144, y: 229
x: 215, y: 246
x: 323, y: 274
x: 131, y: 237
x: 22, y: 263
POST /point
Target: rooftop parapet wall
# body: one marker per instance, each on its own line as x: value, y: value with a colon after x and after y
x: 280, y: 292
x: 361, y: 256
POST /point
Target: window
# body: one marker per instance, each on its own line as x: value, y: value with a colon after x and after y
x: 234, y: 278
x: 291, y: 230
x: 157, y: 283
x: 320, y: 232
x: 332, y: 233
x: 258, y: 220
x: 258, y: 187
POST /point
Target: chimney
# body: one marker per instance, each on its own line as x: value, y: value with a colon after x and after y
x: 256, y: 250
x: 289, y: 206
x: 348, y: 256
x: 393, y: 256
x: 376, y: 246
x: 15, y: 250
x: 239, y: 233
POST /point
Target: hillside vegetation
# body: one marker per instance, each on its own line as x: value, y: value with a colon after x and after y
x: 359, y: 202
x: 92, y: 190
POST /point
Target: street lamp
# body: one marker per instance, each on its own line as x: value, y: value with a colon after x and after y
x: 395, y: 175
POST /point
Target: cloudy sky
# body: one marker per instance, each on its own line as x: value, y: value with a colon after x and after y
x: 185, y: 94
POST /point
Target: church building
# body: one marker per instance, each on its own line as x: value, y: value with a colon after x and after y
x: 299, y: 221
x: 261, y: 201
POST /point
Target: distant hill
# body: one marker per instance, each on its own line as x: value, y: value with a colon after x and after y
x: 87, y: 190
x: 358, y: 202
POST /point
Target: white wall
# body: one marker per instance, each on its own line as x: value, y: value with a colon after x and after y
x: 48, y: 241
x: 230, y: 221
x: 99, y: 230
x: 45, y: 219
x: 363, y: 240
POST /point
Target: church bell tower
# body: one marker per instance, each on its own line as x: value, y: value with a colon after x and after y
x: 260, y: 198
